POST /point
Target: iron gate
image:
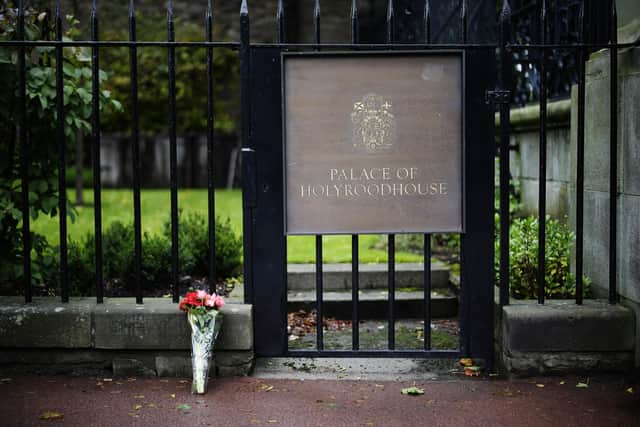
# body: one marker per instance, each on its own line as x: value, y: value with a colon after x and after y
x: 264, y: 237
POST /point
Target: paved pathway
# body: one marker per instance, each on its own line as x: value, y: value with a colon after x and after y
x: 252, y: 401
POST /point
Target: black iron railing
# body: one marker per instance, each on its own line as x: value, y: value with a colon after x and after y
x: 507, y: 46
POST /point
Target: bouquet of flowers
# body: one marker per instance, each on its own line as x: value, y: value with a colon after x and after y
x: 203, y: 315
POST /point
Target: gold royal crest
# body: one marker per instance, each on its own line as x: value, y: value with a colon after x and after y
x: 374, y: 123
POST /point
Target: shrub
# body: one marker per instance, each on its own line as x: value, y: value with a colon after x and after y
x: 194, y: 246
x: 523, y: 253
x: 119, y: 261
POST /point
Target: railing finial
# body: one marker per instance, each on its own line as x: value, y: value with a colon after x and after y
x: 355, y: 35
x: 390, y: 19
x: 316, y: 22
x: 280, y: 20
x: 427, y: 21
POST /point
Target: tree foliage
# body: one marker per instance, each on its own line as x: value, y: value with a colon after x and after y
x: 191, y: 81
x: 42, y: 152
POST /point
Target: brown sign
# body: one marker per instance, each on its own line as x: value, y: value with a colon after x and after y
x: 373, y: 142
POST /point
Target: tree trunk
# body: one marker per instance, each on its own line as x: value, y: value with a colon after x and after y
x: 79, y: 167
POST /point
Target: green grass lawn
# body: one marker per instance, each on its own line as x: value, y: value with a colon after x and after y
x: 117, y: 205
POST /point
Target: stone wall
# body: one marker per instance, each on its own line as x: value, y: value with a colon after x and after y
x: 524, y: 161
x: 597, y: 173
x: 117, y: 338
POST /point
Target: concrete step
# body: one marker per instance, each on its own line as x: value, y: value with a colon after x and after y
x: 337, y: 277
x: 373, y: 304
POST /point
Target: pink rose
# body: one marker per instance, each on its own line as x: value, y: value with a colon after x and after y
x: 210, y: 301
x: 219, y: 301
x: 201, y: 294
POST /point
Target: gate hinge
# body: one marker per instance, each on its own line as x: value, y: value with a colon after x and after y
x: 497, y: 96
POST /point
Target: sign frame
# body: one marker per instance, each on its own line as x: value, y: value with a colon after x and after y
x: 461, y: 54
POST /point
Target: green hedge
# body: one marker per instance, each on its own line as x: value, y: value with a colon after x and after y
x: 119, y: 260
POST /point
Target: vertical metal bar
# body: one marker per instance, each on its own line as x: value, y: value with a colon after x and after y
x: 427, y: 291
x: 62, y: 182
x: 504, y: 83
x: 355, y: 253
x: 135, y: 153
x: 95, y: 136
x: 613, y: 155
x: 245, y: 100
x: 390, y: 21
x: 211, y: 200
x: 427, y: 237
x: 316, y: 23
x: 391, y: 256
x: 319, y: 288
x: 427, y: 22
x: 542, y: 169
x: 319, y: 283
x: 580, y: 160
x: 355, y: 30
x: 24, y: 157
x: 173, y: 155
x: 391, y: 270
x: 355, y: 293
x: 281, y: 22
x: 463, y: 21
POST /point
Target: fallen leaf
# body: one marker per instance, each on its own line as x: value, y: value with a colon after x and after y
x: 582, y: 385
x: 139, y: 396
x: 332, y: 405
x: 173, y: 396
x: 254, y: 421
x: 51, y: 416
x: 151, y: 405
x: 563, y: 382
x: 133, y: 414
x: 99, y: 384
x: 183, y: 381
x: 265, y: 387
x: 107, y: 379
x: 272, y: 421
x: 183, y: 407
x: 629, y: 390
x: 138, y: 407
x: 430, y: 401
x: 540, y: 385
x: 466, y: 361
x: 412, y: 391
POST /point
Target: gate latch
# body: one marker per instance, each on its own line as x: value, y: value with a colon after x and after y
x: 497, y: 96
